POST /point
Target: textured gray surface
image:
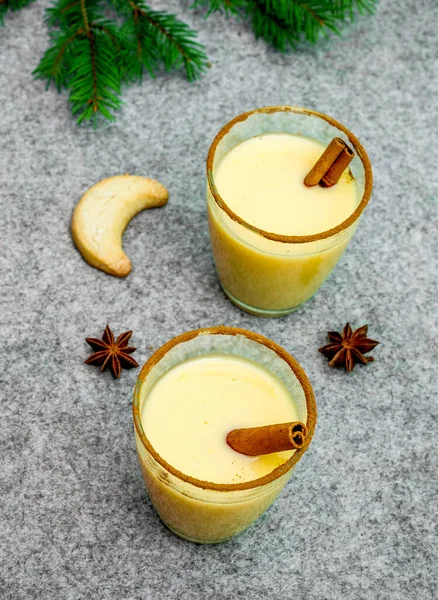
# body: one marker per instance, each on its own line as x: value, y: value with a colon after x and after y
x: 359, y: 518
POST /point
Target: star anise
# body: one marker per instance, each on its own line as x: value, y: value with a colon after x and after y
x: 347, y: 348
x: 111, y: 353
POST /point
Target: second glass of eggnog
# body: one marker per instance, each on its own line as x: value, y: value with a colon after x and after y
x: 189, y: 396
x: 274, y: 239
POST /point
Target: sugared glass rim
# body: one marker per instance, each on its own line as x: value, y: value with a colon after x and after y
x: 291, y: 239
x: 222, y: 330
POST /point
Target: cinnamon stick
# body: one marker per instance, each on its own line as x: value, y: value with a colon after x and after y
x: 338, y: 167
x: 254, y: 441
x: 324, y: 162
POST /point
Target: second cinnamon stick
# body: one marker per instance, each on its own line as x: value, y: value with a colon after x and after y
x: 338, y: 167
x: 324, y: 162
x: 254, y: 441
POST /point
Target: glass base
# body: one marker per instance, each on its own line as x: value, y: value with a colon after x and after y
x: 195, y: 541
x: 259, y: 312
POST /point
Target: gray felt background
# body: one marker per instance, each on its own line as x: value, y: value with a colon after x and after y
x: 359, y: 518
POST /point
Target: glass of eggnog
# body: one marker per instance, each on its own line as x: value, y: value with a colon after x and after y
x: 274, y: 239
x: 189, y: 395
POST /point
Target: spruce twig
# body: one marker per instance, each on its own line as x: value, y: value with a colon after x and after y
x: 92, y: 56
x: 83, y: 58
x: 285, y: 23
x: 152, y: 38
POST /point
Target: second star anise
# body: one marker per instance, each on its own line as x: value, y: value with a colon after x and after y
x: 111, y: 353
x: 347, y: 348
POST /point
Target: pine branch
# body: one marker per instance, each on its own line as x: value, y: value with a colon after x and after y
x: 300, y: 19
x: 285, y: 23
x: 151, y: 38
x: 91, y: 56
x: 83, y: 58
x: 11, y: 5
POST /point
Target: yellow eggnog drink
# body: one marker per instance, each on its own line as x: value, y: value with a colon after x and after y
x: 191, y: 409
x: 274, y: 239
x: 189, y: 396
x: 262, y: 180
